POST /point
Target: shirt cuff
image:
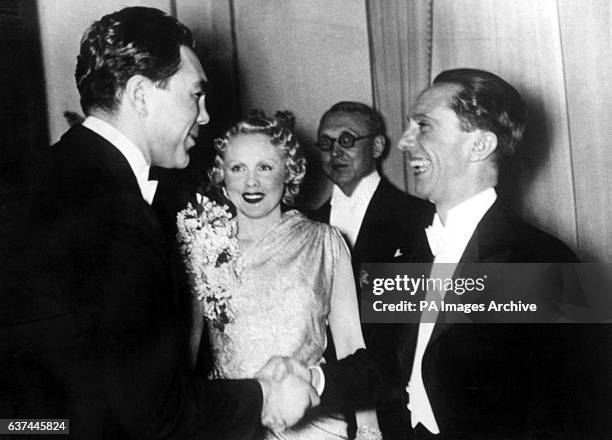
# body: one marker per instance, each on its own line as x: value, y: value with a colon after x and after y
x: 320, y: 385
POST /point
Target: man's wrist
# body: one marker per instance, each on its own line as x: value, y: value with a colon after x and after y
x: 265, y: 393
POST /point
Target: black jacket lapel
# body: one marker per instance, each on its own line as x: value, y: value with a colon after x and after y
x: 490, y: 243
x: 113, y: 171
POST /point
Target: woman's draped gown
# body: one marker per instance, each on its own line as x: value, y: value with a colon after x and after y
x: 281, y: 304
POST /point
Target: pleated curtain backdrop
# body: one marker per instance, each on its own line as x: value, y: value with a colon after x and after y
x: 558, y: 53
x: 400, y: 53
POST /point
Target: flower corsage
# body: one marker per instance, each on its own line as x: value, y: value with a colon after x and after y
x: 208, y: 243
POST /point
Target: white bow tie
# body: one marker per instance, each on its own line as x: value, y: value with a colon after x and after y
x: 148, y: 189
x: 436, y: 237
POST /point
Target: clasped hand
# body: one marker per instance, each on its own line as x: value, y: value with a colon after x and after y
x: 287, y: 392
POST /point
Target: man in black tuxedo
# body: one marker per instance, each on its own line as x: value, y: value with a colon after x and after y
x: 92, y: 332
x: 379, y: 222
x: 475, y: 380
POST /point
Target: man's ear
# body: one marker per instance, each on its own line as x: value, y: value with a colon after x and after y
x: 483, y: 147
x: 379, y: 146
x: 135, y: 93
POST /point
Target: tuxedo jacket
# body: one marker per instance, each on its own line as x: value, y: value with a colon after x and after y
x: 388, y: 234
x: 390, y: 226
x: 511, y: 381
x: 95, y: 335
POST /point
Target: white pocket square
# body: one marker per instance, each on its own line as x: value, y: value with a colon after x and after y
x: 398, y: 253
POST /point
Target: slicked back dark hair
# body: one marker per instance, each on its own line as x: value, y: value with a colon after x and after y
x: 374, y: 120
x: 487, y: 102
x: 132, y: 41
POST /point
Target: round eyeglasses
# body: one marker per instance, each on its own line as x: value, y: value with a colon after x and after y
x: 345, y: 140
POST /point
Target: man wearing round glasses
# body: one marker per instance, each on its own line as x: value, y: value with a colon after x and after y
x: 379, y: 221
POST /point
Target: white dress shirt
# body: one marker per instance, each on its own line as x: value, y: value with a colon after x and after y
x: 347, y: 212
x: 447, y: 243
x: 139, y: 165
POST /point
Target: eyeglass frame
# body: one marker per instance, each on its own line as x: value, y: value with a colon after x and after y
x: 337, y: 140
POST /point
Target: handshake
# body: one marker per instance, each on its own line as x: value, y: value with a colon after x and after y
x: 287, y: 392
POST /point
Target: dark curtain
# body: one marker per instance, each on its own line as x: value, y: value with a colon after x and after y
x: 23, y: 135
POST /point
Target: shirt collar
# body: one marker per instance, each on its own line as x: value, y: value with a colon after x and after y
x: 136, y: 159
x: 363, y: 191
x: 461, y: 222
x: 469, y: 212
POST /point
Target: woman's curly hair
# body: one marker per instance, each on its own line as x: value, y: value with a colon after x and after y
x: 280, y: 132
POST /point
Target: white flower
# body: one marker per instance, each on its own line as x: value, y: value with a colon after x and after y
x: 199, y: 198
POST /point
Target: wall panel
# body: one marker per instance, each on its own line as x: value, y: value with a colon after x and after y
x: 586, y: 31
x: 303, y: 56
